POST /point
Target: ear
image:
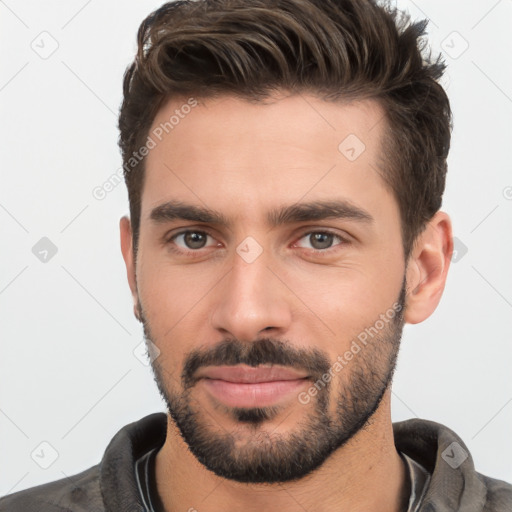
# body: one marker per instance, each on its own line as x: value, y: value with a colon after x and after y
x: 127, y: 250
x: 427, y: 268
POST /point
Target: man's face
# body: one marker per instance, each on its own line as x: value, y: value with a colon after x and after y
x: 307, y: 306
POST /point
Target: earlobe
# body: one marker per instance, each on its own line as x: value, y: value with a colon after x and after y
x: 127, y: 251
x: 427, y: 268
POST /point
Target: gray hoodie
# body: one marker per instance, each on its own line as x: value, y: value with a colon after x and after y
x: 111, y: 485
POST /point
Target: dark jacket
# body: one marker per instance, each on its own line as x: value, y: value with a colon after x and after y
x: 111, y: 484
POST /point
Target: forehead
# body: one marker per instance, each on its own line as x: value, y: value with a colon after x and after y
x: 231, y: 154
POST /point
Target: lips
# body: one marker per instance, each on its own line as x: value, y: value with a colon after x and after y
x: 246, y: 386
x: 249, y: 375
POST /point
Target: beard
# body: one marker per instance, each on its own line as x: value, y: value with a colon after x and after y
x: 251, y: 454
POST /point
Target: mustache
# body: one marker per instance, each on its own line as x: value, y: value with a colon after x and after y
x: 231, y: 352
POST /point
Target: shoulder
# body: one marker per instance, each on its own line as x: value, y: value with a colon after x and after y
x: 499, y: 494
x: 454, y: 483
x: 77, y: 493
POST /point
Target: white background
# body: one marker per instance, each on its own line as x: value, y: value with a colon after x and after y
x: 68, y: 373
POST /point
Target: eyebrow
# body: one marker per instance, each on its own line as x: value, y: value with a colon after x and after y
x: 298, y: 212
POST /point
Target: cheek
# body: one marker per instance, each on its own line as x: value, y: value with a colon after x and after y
x: 175, y: 303
x: 347, y: 297
x: 170, y: 293
x: 346, y: 307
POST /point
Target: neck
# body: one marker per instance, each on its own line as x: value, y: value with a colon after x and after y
x: 366, y: 474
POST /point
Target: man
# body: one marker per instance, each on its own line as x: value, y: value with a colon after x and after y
x: 285, y: 162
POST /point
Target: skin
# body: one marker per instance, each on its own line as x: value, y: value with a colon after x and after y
x: 244, y: 159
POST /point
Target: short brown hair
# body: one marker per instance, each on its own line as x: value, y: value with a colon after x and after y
x: 339, y: 50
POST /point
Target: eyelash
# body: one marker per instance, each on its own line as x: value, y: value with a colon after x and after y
x: 193, y: 253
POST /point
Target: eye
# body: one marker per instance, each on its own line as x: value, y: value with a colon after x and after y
x: 190, y: 241
x: 320, y: 240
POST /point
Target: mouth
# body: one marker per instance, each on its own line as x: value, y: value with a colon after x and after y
x: 246, y: 386
x: 244, y: 374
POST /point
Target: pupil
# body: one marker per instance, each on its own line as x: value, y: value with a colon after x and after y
x: 324, y: 240
x: 194, y: 240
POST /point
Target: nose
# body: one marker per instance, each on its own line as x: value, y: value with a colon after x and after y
x: 251, y: 301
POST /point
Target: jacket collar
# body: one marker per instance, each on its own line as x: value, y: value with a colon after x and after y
x: 117, y: 474
x: 454, y: 483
